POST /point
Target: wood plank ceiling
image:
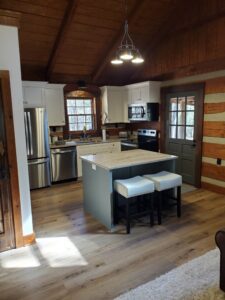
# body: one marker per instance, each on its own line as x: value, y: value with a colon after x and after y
x: 71, y: 40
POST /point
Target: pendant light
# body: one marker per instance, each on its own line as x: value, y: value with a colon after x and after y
x: 117, y: 60
x: 126, y: 50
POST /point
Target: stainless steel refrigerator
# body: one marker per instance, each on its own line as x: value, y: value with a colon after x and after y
x: 38, y: 153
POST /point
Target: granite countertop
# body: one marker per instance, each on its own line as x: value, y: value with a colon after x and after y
x: 123, y: 159
x: 74, y: 143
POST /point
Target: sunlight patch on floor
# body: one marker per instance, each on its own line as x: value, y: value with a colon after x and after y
x: 20, y: 258
x: 60, y: 252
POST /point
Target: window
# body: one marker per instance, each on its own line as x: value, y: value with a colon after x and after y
x: 80, y: 113
x: 181, y: 117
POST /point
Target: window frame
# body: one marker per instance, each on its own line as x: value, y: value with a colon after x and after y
x: 93, y: 107
x: 73, y: 91
x: 177, y: 125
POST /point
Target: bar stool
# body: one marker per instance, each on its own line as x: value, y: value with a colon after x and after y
x: 131, y: 188
x: 164, y: 181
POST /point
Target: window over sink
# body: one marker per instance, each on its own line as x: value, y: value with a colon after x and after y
x: 80, y: 114
x: 82, y: 109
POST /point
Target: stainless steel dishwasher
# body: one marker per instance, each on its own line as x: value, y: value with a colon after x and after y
x: 63, y: 163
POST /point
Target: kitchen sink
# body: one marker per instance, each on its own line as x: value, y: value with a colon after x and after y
x: 82, y: 142
x: 87, y: 142
x: 72, y: 143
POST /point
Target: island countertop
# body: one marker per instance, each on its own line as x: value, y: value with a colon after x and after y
x: 112, y: 161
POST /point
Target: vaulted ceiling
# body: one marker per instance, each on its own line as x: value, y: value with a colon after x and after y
x: 71, y: 40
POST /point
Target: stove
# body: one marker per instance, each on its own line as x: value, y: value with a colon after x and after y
x: 148, y: 139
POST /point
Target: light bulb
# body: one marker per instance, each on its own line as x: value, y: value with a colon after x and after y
x: 138, y: 60
x: 116, y: 61
x: 126, y: 55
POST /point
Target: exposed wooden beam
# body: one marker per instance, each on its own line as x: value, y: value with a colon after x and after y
x: 111, y: 49
x: 65, y: 25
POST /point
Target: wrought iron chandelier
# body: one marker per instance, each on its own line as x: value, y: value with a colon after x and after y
x: 126, y: 50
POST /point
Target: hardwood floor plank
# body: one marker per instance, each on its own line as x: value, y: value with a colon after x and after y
x: 76, y: 257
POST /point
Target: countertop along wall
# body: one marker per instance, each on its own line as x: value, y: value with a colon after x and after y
x: 10, y: 60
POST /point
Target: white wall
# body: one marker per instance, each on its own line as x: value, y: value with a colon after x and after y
x: 10, y: 60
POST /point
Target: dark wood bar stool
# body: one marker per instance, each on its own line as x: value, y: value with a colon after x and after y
x: 164, y: 181
x: 130, y: 189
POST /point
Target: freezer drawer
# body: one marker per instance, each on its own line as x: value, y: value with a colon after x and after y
x: 63, y: 163
x: 39, y: 173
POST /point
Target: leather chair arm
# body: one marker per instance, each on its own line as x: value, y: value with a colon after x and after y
x: 220, y: 241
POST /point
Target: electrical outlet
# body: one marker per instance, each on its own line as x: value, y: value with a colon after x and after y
x: 218, y: 161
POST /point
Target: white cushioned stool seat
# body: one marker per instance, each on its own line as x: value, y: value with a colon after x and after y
x: 134, y: 186
x: 165, y: 180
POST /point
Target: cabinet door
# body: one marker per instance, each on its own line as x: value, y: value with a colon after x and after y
x: 115, y: 107
x: 33, y: 96
x: 55, y: 106
x: 125, y: 105
x: 136, y: 95
x: 145, y: 94
x: 129, y: 96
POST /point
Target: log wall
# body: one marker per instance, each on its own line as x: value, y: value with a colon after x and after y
x: 213, y: 153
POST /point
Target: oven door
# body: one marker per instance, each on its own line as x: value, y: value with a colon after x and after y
x: 137, y: 112
x: 148, y: 144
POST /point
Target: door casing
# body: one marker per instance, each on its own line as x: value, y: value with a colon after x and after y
x: 12, y: 159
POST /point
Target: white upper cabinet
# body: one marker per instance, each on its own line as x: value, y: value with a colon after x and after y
x: 54, y: 101
x: 50, y: 96
x: 114, y: 104
x: 33, y: 94
x: 140, y: 93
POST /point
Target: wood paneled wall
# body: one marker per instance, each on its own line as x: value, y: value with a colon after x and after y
x: 213, y: 155
x: 193, y: 45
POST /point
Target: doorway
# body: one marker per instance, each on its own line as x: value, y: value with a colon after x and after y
x: 183, y: 123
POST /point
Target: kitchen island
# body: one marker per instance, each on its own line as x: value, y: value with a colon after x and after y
x: 100, y: 170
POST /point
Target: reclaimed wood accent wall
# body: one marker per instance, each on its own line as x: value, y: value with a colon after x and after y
x: 213, y: 154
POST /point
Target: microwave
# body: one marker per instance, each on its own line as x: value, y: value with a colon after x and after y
x: 143, y: 112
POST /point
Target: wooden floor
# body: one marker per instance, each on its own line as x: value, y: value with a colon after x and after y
x: 76, y: 258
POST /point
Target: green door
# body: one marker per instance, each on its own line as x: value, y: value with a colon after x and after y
x: 183, y: 136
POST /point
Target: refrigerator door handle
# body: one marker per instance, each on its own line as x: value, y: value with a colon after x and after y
x: 30, y: 134
x: 26, y: 133
x: 38, y: 161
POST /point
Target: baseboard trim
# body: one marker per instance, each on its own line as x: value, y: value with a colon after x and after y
x: 29, y: 239
x: 213, y: 188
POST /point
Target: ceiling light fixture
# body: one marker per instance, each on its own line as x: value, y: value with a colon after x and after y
x: 126, y: 50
